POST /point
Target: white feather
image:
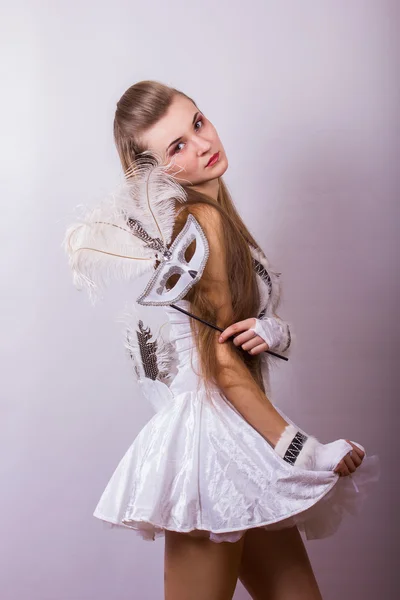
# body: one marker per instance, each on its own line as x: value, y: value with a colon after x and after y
x: 102, y: 247
x: 154, y: 193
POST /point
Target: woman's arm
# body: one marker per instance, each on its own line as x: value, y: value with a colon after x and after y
x: 234, y: 378
x: 236, y: 382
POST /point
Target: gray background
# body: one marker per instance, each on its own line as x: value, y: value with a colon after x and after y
x: 305, y: 97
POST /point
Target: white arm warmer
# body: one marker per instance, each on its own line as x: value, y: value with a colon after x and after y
x: 274, y: 332
x: 306, y: 452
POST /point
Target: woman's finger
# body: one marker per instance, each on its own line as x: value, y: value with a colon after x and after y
x: 260, y: 348
x: 349, y: 463
x: 236, y: 328
x: 356, y: 450
x: 357, y: 460
x: 252, y: 343
x: 245, y: 337
x: 343, y: 471
x: 339, y: 467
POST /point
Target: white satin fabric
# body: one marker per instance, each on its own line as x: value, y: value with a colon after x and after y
x: 197, y: 466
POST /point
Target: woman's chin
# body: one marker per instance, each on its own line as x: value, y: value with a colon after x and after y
x: 219, y: 169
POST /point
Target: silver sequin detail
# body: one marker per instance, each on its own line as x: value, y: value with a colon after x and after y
x: 295, y: 447
x: 156, y: 357
x: 171, y: 271
x: 148, y: 351
x: 263, y: 273
x: 181, y: 253
x: 289, y: 339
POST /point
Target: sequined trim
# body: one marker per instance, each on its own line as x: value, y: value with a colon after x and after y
x: 151, y: 359
x: 295, y: 447
x: 181, y: 253
x: 263, y: 273
x: 148, y: 351
x: 171, y: 271
x: 262, y: 313
x: 289, y: 338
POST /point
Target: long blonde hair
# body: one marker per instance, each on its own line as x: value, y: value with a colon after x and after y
x: 139, y: 108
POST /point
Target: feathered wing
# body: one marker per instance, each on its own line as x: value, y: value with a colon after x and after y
x: 124, y: 235
x: 148, y: 346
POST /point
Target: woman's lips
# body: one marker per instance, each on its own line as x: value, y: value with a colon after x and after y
x: 213, y: 160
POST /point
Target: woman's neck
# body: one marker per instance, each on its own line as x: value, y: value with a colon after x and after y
x: 211, y: 188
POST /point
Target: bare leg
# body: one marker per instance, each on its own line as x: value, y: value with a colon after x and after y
x: 198, y: 569
x: 275, y: 566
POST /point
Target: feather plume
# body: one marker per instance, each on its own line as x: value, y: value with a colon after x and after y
x: 129, y: 231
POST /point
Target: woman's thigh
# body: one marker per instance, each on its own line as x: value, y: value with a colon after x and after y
x: 197, y: 569
x: 275, y: 566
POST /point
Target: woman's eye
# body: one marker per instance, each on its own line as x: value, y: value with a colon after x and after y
x: 176, y: 149
x: 199, y: 121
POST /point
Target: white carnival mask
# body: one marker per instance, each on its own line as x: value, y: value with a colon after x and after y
x: 173, y: 262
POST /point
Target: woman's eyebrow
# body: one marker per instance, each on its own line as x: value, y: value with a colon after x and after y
x: 179, y: 138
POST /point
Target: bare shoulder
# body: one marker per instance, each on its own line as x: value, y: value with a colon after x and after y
x: 210, y: 219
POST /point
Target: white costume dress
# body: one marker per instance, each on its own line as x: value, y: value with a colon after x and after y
x: 198, y: 466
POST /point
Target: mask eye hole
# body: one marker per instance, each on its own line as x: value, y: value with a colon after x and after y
x: 172, y: 281
x: 190, y: 250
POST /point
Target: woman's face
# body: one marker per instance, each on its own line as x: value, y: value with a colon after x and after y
x: 187, y: 140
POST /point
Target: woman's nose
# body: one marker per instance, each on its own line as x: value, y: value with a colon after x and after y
x: 202, y: 146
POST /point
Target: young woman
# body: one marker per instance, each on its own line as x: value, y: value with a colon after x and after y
x: 220, y: 470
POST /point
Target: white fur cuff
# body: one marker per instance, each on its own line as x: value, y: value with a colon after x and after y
x: 297, y: 448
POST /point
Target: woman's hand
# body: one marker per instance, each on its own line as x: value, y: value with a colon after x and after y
x: 248, y: 340
x: 350, y: 463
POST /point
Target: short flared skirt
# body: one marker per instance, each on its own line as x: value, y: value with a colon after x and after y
x: 197, y: 466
